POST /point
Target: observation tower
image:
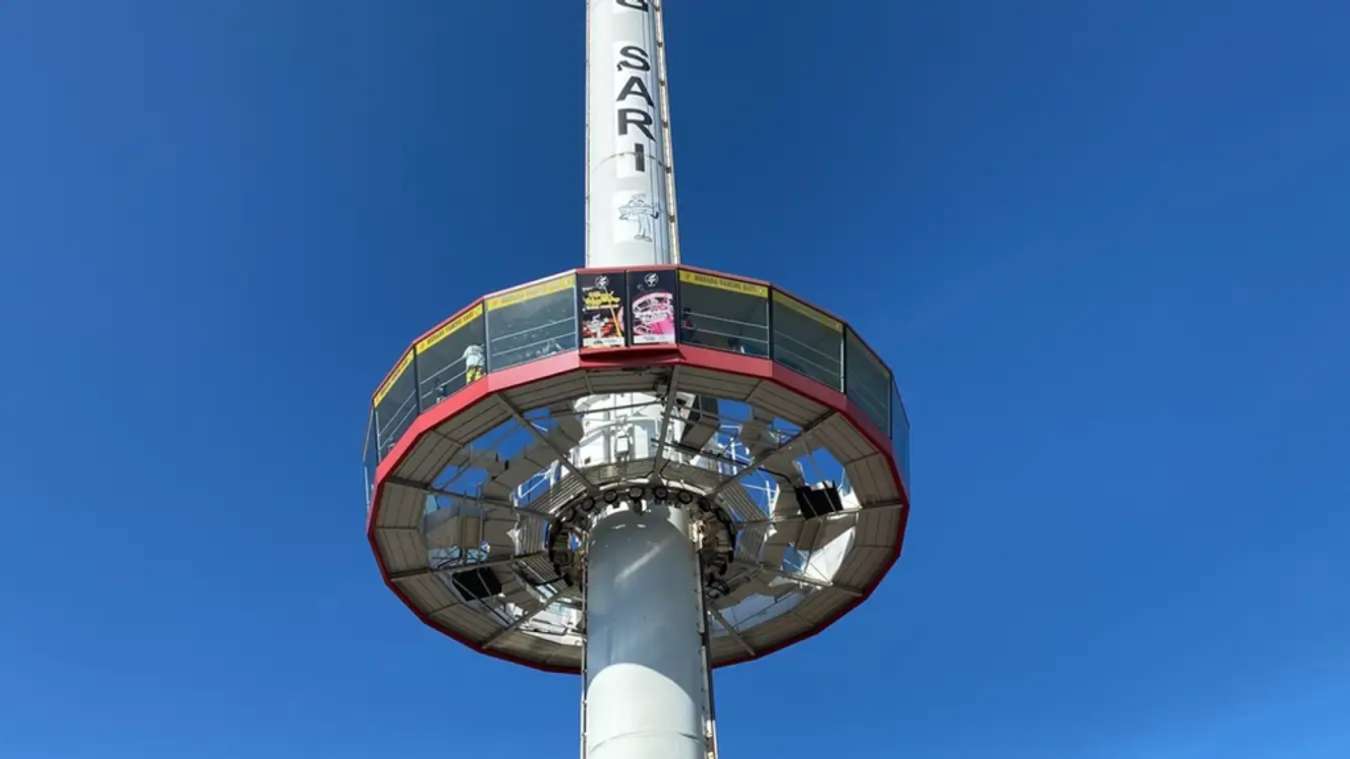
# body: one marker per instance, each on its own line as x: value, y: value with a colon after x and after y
x: 639, y: 470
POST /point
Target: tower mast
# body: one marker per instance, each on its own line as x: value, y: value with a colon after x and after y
x: 630, y: 177
x: 646, y: 689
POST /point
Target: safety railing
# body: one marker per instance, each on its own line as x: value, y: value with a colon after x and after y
x: 591, y: 310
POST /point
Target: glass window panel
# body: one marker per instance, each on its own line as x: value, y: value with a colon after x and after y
x: 395, y: 405
x: 900, y: 433
x: 727, y: 314
x: 532, y: 322
x: 451, y: 357
x: 808, y: 341
x: 370, y: 456
x: 869, y: 382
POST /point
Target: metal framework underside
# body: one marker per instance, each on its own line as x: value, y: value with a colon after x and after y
x: 485, y: 484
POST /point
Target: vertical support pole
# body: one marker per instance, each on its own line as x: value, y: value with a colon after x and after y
x: 585, y: 678
x: 629, y: 180
x: 709, y: 701
x: 417, y: 383
x: 646, y: 668
x: 672, y: 206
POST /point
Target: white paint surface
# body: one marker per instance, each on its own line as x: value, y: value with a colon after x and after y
x: 644, y: 662
x: 629, y: 183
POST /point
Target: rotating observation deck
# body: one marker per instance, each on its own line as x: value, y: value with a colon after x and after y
x: 500, y: 432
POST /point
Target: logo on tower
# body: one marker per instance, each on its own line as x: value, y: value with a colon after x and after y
x: 640, y: 210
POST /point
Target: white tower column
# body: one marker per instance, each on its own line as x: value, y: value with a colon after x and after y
x: 645, y: 668
x: 630, y: 185
x: 645, y: 693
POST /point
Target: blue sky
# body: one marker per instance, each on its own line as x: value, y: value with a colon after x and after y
x: 1104, y: 245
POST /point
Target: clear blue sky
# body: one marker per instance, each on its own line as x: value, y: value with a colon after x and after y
x: 1104, y: 244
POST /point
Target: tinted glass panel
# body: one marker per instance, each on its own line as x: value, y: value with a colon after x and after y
x: 370, y: 455
x: 724, y: 313
x: 395, y: 404
x: 808, y: 341
x: 651, y: 296
x: 601, y: 307
x: 451, y: 357
x: 532, y: 322
x: 900, y: 433
x: 869, y: 383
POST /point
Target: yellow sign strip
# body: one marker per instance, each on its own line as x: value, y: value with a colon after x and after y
x: 394, y: 376
x: 722, y: 283
x: 450, y: 328
x: 533, y: 291
x: 807, y: 311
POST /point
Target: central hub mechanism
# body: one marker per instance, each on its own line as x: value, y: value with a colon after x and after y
x: 712, y: 530
x: 638, y: 548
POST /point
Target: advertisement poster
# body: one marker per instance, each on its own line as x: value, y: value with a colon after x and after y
x: 651, y: 296
x: 601, y: 310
